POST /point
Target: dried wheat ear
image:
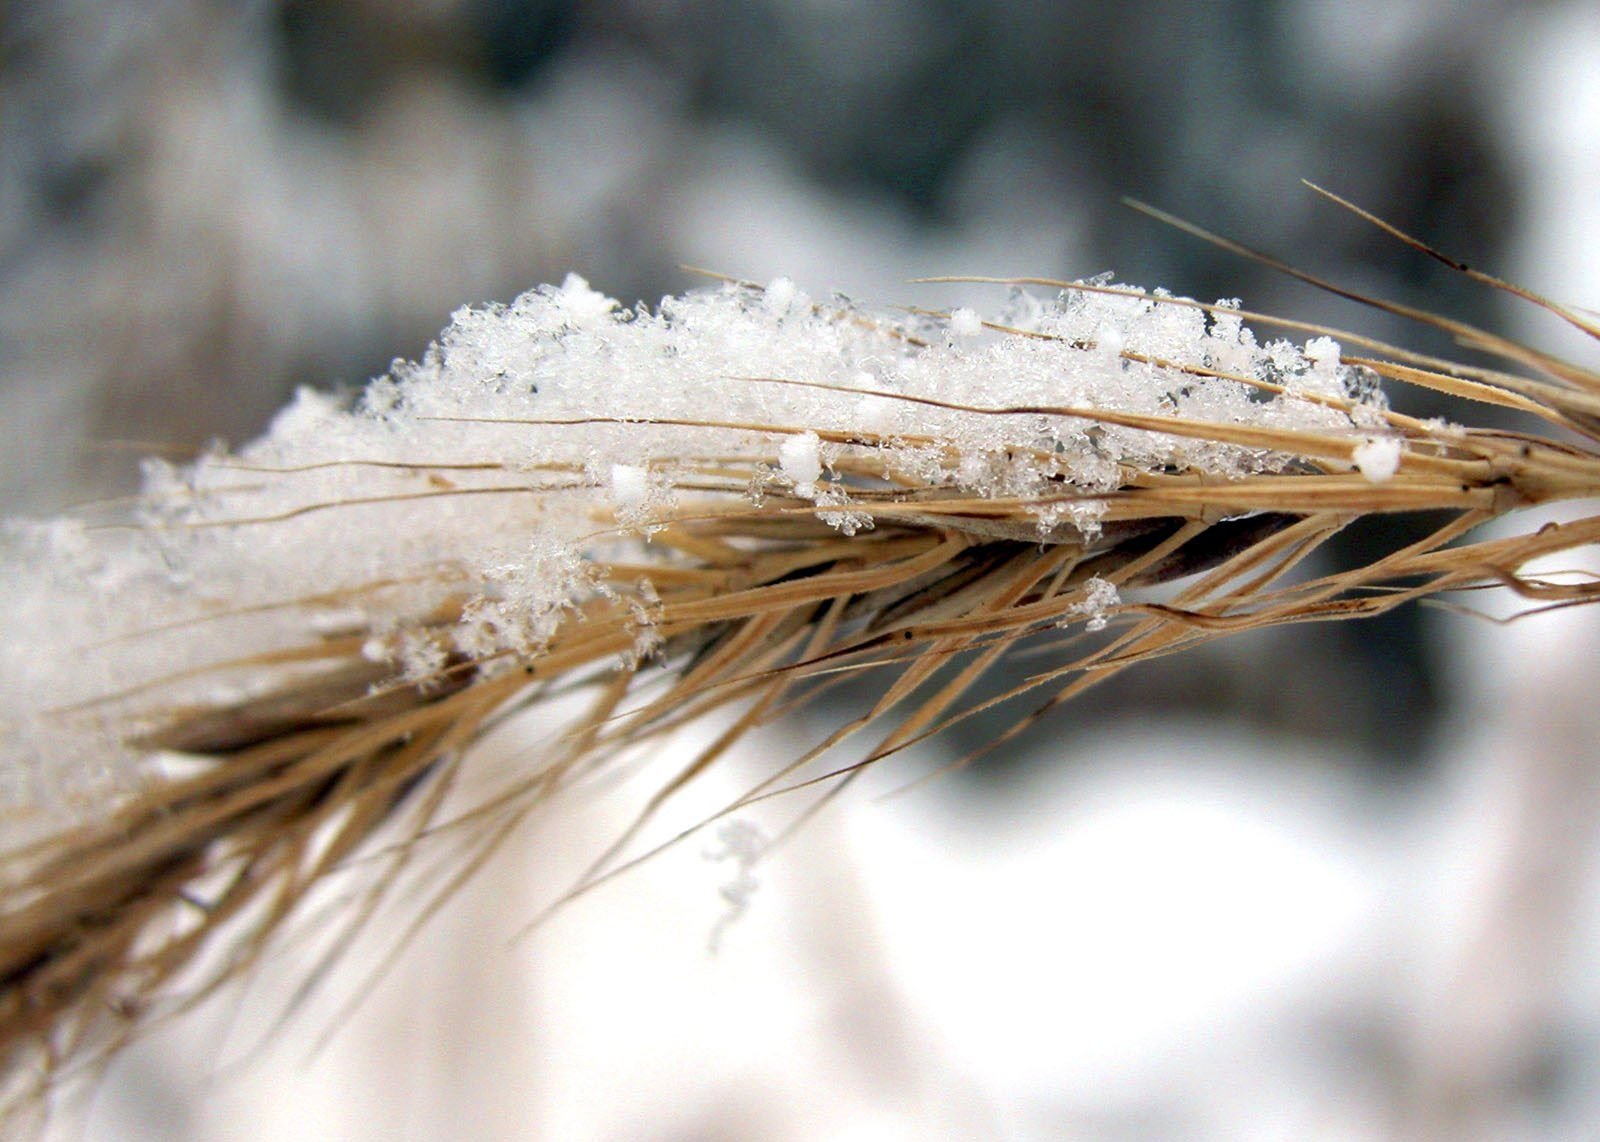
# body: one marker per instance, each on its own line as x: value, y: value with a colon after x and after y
x: 281, y: 657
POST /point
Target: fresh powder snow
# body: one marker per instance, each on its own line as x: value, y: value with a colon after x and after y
x: 536, y: 440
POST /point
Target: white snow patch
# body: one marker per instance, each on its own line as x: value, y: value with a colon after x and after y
x: 1378, y: 458
x: 630, y: 485
x: 781, y: 295
x: 799, y: 458
x: 456, y: 473
x: 965, y: 322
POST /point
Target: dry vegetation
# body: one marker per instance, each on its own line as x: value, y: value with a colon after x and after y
x: 763, y: 606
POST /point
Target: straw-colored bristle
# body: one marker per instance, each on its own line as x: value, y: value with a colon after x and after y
x: 829, y: 551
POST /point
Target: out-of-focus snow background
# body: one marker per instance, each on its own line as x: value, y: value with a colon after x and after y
x: 1337, y: 883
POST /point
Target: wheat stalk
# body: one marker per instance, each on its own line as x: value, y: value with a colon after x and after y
x: 282, y: 658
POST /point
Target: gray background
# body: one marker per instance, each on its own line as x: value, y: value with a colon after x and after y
x: 204, y: 205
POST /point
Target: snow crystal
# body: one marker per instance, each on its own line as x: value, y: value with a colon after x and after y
x: 630, y: 485
x: 645, y: 613
x: 1322, y: 350
x: 1110, y: 341
x: 799, y: 459
x: 1323, y: 353
x: 583, y: 308
x: 781, y: 295
x: 309, y: 413
x: 965, y: 322
x: 1378, y: 458
x: 1100, y: 596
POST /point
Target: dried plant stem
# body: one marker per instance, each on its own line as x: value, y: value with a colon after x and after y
x: 155, y: 904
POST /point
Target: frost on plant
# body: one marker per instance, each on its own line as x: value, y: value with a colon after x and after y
x: 590, y: 526
x: 538, y: 443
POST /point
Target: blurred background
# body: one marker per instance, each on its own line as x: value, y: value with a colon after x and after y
x: 1336, y: 882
